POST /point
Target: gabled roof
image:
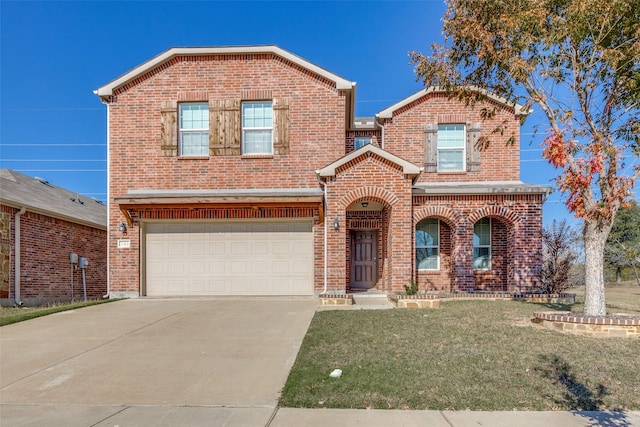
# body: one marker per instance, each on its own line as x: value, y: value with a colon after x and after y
x: 107, y: 90
x: 408, y: 168
x: 388, y: 112
x: 37, y: 195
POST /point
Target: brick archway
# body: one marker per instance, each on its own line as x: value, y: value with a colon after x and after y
x: 506, y: 250
x: 375, y: 194
x: 442, y: 213
x: 503, y: 213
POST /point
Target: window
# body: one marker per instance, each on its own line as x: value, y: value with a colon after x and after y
x: 427, y: 244
x: 257, y: 127
x: 451, y: 142
x: 360, y: 142
x: 482, y: 244
x: 194, y: 129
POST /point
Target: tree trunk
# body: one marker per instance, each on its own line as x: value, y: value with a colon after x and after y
x: 618, y: 275
x: 595, y: 237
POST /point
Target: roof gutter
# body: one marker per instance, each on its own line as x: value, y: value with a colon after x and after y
x: 16, y: 268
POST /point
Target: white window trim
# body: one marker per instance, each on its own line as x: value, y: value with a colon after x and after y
x: 484, y: 246
x: 433, y: 246
x: 182, y: 131
x: 245, y: 129
x: 464, y: 148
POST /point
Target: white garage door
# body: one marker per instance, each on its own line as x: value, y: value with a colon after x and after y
x: 239, y: 258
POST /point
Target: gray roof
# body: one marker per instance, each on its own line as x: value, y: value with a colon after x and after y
x: 37, y: 195
x: 479, y: 187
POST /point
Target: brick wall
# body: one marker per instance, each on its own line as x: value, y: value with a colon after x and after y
x: 404, y: 136
x: 375, y: 136
x: 369, y: 177
x: 316, y: 134
x: 516, y: 241
x: 45, y: 271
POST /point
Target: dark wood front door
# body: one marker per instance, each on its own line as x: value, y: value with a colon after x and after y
x: 364, y: 259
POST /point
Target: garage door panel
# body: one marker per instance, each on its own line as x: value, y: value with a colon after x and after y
x: 239, y: 258
x: 217, y: 267
x: 197, y: 248
x: 176, y: 248
x: 216, y: 248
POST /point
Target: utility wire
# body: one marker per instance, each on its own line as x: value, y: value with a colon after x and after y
x: 52, y: 145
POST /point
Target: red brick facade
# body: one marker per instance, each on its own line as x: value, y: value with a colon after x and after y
x: 320, y: 132
x: 45, y: 245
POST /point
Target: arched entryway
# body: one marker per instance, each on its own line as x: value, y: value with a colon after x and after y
x: 366, y: 238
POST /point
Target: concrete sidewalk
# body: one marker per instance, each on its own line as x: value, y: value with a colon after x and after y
x: 192, y: 362
x: 189, y: 416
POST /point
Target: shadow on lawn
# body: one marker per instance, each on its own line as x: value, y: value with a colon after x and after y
x: 578, y: 397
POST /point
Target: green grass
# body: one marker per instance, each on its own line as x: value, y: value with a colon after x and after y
x: 9, y: 315
x: 478, y: 355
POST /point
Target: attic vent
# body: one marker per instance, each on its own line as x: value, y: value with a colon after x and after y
x: 77, y: 200
x: 43, y: 181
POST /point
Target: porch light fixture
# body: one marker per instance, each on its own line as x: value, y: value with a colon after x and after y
x: 365, y: 204
x: 123, y: 227
x: 336, y: 223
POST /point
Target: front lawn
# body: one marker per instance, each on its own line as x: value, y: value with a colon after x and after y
x: 9, y: 315
x: 479, y: 355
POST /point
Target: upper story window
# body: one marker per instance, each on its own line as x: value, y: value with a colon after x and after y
x: 257, y: 127
x: 361, y: 142
x: 428, y: 244
x: 482, y: 244
x: 451, y: 144
x: 194, y: 129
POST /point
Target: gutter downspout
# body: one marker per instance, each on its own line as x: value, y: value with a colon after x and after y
x: 382, y: 133
x: 108, y: 294
x: 16, y: 267
x: 324, y: 206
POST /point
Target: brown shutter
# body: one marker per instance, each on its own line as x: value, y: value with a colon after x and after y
x: 224, y: 127
x: 169, y: 128
x: 280, y: 126
x: 473, y: 150
x: 431, y: 147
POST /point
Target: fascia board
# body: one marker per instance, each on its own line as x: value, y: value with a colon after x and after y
x: 51, y: 214
x: 408, y: 168
x: 387, y: 113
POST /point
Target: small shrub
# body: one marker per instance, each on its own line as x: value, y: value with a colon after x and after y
x: 559, y: 258
x: 411, y: 288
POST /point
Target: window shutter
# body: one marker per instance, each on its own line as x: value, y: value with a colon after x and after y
x: 281, y: 126
x: 224, y: 127
x: 431, y: 147
x: 473, y: 151
x: 169, y: 129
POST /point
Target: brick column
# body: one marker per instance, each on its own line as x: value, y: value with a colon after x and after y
x: 463, y: 257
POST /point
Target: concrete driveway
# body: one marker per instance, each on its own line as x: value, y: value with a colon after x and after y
x: 160, y: 362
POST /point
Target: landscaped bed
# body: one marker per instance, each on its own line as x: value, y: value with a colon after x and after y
x: 480, y: 355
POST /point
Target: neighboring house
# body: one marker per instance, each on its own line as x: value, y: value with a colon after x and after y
x: 41, y: 225
x: 243, y: 171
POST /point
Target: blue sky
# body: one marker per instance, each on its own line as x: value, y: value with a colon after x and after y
x: 53, y: 54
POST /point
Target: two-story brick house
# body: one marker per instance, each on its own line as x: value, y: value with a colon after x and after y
x: 243, y: 171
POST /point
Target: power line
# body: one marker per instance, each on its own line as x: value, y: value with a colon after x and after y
x: 52, y: 160
x: 61, y: 170
x: 53, y: 109
x: 52, y: 145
